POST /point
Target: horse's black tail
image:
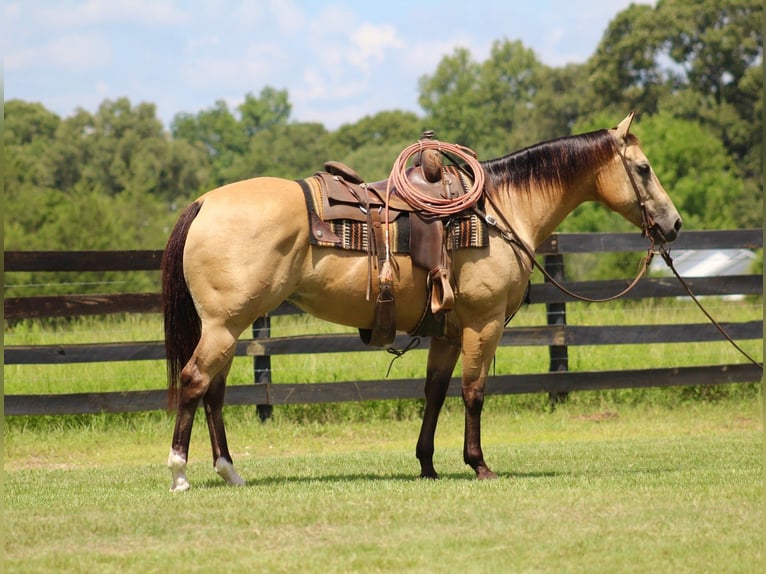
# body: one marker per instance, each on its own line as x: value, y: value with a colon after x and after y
x: 182, y: 323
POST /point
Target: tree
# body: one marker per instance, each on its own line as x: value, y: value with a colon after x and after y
x: 225, y: 135
x: 271, y: 108
x: 509, y: 85
x: 700, y: 61
x: 386, y: 126
x: 451, y: 101
x: 509, y: 101
x: 27, y: 123
x: 116, y: 171
x: 624, y: 72
x: 291, y: 151
x: 372, y: 144
x: 694, y: 168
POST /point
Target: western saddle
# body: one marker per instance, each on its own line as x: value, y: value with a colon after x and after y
x: 346, y: 196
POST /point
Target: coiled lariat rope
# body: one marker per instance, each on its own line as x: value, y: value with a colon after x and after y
x: 426, y: 203
x: 433, y: 205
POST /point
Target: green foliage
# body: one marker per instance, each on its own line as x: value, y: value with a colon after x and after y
x: 225, y: 135
x: 509, y: 101
x: 694, y: 168
x: 291, y: 151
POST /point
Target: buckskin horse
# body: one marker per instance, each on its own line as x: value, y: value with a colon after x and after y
x: 240, y: 250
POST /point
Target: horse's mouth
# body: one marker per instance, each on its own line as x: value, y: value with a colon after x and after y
x: 667, y: 235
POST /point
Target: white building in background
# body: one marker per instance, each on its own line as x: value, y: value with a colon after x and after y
x: 707, y: 263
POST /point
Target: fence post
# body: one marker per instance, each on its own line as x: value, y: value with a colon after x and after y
x: 556, y: 314
x: 262, y: 366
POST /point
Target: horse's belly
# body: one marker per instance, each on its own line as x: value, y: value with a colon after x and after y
x: 335, y: 289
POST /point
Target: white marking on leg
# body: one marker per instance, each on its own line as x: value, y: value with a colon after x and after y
x: 226, y: 471
x: 177, y: 466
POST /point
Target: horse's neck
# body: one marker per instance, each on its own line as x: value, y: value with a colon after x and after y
x: 537, y: 214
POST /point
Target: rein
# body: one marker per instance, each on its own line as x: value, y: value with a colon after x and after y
x: 669, y: 262
x: 509, y: 235
x: 515, y: 241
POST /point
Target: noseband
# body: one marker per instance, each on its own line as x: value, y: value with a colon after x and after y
x: 647, y: 221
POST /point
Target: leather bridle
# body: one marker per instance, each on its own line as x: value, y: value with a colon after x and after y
x: 647, y: 222
x: 648, y: 227
x: 520, y: 246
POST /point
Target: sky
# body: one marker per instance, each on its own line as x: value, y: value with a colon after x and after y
x: 339, y: 60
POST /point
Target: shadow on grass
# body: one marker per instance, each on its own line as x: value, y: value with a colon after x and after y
x: 273, y: 481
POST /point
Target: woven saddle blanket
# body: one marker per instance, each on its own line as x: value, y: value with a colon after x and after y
x: 464, y: 230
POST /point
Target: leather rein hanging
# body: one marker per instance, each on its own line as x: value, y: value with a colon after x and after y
x: 647, y: 223
x: 517, y: 243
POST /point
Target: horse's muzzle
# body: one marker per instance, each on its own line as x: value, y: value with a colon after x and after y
x: 662, y: 234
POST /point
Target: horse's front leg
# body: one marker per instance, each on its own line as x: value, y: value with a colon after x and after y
x: 479, y: 347
x: 442, y: 356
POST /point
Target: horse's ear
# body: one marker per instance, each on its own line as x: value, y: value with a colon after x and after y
x: 622, y: 129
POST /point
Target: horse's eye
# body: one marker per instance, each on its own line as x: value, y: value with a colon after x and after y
x: 643, y: 169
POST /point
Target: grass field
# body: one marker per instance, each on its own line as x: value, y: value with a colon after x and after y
x: 644, y: 480
x: 621, y: 489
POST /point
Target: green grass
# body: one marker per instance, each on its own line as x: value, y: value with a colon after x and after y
x: 581, y: 489
x: 644, y: 480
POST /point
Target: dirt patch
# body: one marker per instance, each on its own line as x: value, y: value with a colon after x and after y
x: 597, y: 417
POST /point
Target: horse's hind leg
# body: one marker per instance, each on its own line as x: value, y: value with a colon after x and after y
x: 210, y: 359
x: 213, y: 402
x: 442, y: 356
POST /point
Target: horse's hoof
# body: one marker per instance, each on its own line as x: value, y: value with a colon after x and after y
x: 485, y: 474
x: 180, y: 484
x: 225, y: 470
x: 177, y: 466
x: 432, y: 475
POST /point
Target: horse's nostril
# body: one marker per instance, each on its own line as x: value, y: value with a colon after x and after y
x: 679, y: 224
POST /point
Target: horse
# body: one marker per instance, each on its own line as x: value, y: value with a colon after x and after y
x: 240, y: 250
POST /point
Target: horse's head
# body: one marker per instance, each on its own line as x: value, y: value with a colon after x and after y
x: 631, y: 188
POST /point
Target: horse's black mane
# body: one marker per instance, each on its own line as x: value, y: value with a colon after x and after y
x: 550, y: 162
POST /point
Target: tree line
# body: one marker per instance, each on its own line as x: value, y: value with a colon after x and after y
x: 116, y: 178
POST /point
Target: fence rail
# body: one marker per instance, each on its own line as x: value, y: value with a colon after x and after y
x: 556, y: 335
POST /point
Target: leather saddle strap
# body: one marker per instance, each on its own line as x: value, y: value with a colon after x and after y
x: 376, y: 244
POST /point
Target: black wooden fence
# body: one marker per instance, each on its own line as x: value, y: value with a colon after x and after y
x: 557, y: 334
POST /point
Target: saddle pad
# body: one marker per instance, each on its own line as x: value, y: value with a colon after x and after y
x: 463, y: 230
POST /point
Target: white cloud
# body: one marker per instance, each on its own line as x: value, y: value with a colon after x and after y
x: 244, y: 71
x: 423, y: 57
x: 202, y: 42
x: 100, y: 12
x: 338, y: 60
x: 322, y: 86
x: 72, y: 52
x: 370, y: 42
x: 290, y: 18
